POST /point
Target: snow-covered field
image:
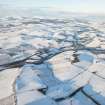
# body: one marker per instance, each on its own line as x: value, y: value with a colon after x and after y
x: 52, y: 61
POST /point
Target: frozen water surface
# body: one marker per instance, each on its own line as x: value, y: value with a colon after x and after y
x: 52, y: 61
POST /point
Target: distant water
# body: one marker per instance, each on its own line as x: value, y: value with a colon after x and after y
x: 45, y: 13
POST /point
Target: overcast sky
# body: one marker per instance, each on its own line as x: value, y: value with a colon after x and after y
x: 86, y: 6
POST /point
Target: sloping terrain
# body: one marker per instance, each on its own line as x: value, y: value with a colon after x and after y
x: 52, y: 61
